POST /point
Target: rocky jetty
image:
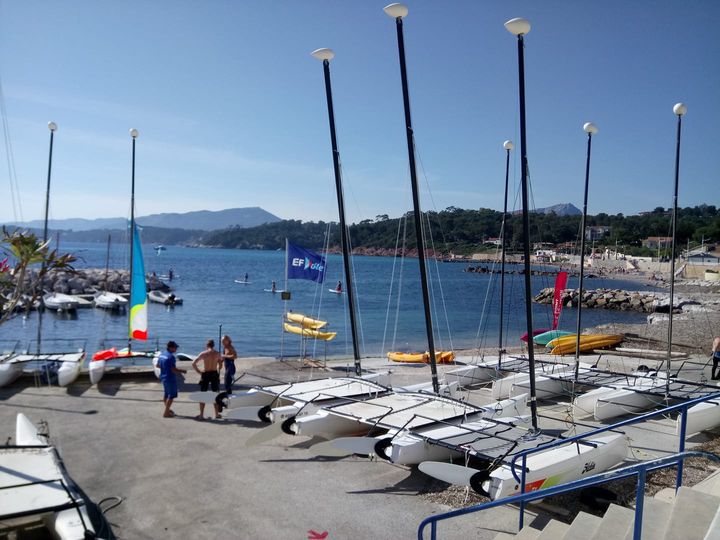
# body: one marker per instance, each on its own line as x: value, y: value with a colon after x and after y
x: 642, y: 301
x: 92, y: 280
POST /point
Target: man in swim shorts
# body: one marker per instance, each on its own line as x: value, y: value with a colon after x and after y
x: 209, y: 376
x: 168, y: 371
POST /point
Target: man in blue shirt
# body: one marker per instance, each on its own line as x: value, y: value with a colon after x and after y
x: 168, y: 372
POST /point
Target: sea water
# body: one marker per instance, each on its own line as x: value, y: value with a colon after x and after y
x: 465, y: 306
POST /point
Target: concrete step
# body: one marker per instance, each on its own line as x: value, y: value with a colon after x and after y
x: 714, y: 529
x: 528, y: 533
x: 583, y: 526
x: 710, y: 485
x: 553, y: 530
x: 656, y: 514
x: 616, y: 522
x: 691, y: 515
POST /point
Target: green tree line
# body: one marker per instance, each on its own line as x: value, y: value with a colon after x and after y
x: 464, y: 231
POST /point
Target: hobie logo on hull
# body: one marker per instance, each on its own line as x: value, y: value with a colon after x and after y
x: 307, y: 264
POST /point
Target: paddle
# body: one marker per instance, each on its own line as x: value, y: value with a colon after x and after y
x: 328, y: 449
x: 250, y: 414
x: 448, y: 472
x: 356, y: 445
x: 264, y: 435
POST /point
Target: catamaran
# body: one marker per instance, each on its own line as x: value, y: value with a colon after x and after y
x: 35, y: 487
x: 137, y: 318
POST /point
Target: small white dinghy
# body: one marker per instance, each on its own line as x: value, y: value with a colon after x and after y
x: 60, y: 302
x: 167, y: 299
x: 109, y: 300
x: 35, y: 487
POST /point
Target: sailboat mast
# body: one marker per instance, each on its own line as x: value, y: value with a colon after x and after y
x: 133, y: 134
x: 326, y: 55
x: 520, y: 27
x: 590, y: 129
x: 507, y: 145
x: 398, y: 11
x: 679, y: 109
x: 52, y: 126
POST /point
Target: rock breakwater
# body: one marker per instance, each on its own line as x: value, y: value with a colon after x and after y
x: 91, y: 280
x: 642, y: 301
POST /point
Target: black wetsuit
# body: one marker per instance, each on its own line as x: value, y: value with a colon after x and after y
x: 229, y: 362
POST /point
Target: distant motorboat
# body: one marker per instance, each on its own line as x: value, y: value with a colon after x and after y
x: 60, y: 302
x: 109, y: 300
x: 168, y: 299
x: 159, y: 248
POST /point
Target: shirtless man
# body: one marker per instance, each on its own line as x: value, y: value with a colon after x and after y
x: 209, y: 376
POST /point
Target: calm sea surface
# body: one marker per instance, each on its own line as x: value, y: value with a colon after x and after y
x: 465, y: 311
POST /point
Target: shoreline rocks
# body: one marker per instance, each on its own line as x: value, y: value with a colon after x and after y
x: 641, y: 301
x: 91, y: 280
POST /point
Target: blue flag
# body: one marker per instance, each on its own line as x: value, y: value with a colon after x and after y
x: 304, y: 264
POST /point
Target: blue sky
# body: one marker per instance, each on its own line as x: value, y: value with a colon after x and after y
x: 231, y: 106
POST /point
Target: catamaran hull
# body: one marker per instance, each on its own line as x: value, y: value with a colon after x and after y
x: 559, y: 466
x: 96, y: 370
x: 412, y: 449
x: 9, y: 372
x: 701, y: 417
x: 60, y: 506
x: 69, y: 371
x: 622, y: 402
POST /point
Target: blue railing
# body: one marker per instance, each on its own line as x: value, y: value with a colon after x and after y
x: 639, y: 469
x: 579, y: 439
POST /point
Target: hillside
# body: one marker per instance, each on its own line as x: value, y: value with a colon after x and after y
x: 203, y: 220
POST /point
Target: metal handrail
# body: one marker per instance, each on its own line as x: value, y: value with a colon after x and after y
x: 682, y: 407
x: 639, y: 469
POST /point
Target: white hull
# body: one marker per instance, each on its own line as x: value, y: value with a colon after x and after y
x: 701, y: 417
x: 622, y: 402
x: 399, y: 411
x: 284, y: 394
x: 474, y: 374
x: 60, y: 302
x: 9, y: 370
x: 612, y: 401
x: 560, y: 465
x: 166, y: 299
x: 544, y: 469
x: 96, y: 370
x: 66, y: 365
x: 45, y: 501
x: 412, y: 449
x: 109, y: 300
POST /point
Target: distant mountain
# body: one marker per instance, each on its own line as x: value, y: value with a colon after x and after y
x: 203, y: 220
x: 565, y: 209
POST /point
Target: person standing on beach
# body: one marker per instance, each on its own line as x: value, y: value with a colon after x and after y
x: 716, y: 358
x: 229, y: 355
x: 168, y: 373
x: 209, y: 376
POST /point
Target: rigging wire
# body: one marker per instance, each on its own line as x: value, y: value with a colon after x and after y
x: 392, y: 281
x: 12, y: 173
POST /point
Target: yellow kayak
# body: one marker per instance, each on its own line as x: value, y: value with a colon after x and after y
x: 441, y: 357
x: 309, y: 332
x: 588, y: 342
x: 305, y: 321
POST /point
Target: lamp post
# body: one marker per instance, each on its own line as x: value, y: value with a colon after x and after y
x: 325, y: 55
x: 52, y: 126
x: 591, y: 129
x: 520, y: 27
x: 397, y: 12
x: 507, y: 145
x: 679, y: 109
x: 134, y: 133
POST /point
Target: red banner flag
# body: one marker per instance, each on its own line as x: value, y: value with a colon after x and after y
x: 560, y: 282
